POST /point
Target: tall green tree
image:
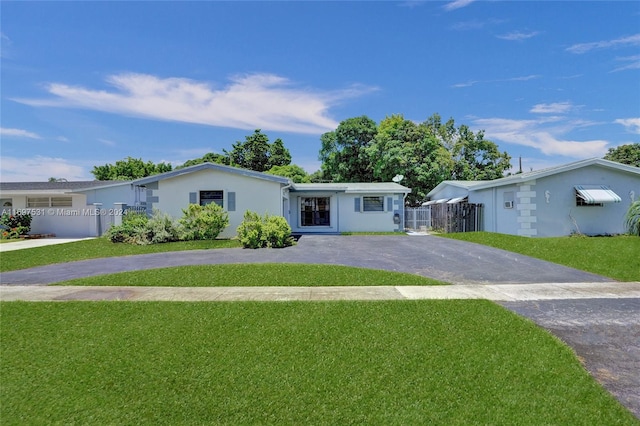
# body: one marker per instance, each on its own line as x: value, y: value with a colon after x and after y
x: 344, y: 151
x: 625, y: 154
x: 292, y: 171
x: 473, y: 156
x: 256, y: 153
x: 210, y: 157
x: 128, y: 169
x: 402, y: 147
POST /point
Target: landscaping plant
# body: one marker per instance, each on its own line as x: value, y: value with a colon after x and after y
x: 257, y: 231
x: 203, y: 222
x: 139, y: 229
x: 632, y: 219
x: 18, y: 224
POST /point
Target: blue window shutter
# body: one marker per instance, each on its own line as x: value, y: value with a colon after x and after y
x: 193, y: 198
x: 389, y: 204
x: 356, y: 206
x: 231, y: 201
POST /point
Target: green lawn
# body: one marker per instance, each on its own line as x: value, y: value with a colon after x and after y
x: 255, y: 275
x: 95, y: 248
x: 615, y: 257
x: 290, y: 363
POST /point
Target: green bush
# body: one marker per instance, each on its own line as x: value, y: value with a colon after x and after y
x: 18, y: 224
x: 632, y: 219
x: 250, y: 230
x: 268, y: 231
x: 133, y: 229
x: 162, y: 229
x: 203, y: 222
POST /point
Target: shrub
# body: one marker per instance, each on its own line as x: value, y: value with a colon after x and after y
x: 162, y: 229
x: 133, y: 229
x: 632, y: 219
x: 276, y: 232
x: 138, y: 228
x: 203, y: 222
x: 268, y: 231
x: 250, y: 230
x: 18, y: 224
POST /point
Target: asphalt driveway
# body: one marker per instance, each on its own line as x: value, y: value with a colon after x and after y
x: 457, y: 262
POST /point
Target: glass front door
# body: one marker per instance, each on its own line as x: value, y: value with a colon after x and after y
x: 315, y: 211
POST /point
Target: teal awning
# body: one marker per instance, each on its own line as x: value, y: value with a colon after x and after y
x: 597, y: 194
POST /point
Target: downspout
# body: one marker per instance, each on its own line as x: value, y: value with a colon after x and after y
x: 282, y: 189
x: 402, y: 207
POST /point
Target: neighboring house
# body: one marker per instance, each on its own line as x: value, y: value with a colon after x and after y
x: 590, y: 197
x: 59, y: 208
x: 330, y: 208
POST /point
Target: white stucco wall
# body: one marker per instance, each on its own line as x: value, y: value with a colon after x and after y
x: 258, y: 195
x: 546, y: 207
x: 77, y: 221
x: 345, y: 218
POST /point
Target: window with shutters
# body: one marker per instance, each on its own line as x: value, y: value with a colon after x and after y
x: 208, y: 197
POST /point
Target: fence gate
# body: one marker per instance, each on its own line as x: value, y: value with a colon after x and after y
x: 458, y: 217
x: 417, y: 218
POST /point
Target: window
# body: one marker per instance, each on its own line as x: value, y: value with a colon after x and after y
x: 373, y: 204
x: 35, y: 202
x: 314, y: 211
x: 581, y: 202
x: 61, y: 202
x: 208, y: 197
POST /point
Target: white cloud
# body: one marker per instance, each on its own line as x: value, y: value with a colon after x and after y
x: 457, y: 4
x: 18, y: 133
x: 633, y: 63
x: 501, y: 80
x: 553, y: 108
x: 631, y: 124
x: 255, y: 101
x: 580, y: 48
x: 39, y: 169
x: 517, y: 35
x: 539, y: 134
x: 107, y: 142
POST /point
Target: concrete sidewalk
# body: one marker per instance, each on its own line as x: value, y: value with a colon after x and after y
x: 36, y: 242
x: 494, y: 292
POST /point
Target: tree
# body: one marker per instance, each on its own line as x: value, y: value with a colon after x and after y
x: 625, y: 154
x: 344, y: 151
x: 256, y: 153
x: 278, y: 154
x: 210, y: 157
x: 129, y: 168
x: 291, y: 171
x: 474, y: 157
x: 405, y: 148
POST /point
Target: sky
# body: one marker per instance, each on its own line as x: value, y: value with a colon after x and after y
x: 89, y: 83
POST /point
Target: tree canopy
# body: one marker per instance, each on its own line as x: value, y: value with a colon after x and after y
x: 210, y: 157
x: 294, y: 172
x: 425, y: 154
x: 625, y: 154
x: 128, y: 169
x: 256, y: 153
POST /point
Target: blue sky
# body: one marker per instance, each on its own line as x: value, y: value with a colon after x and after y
x: 89, y: 83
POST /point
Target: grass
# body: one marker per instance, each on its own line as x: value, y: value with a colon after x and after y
x: 290, y: 363
x: 96, y: 248
x: 255, y: 275
x: 615, y: 257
